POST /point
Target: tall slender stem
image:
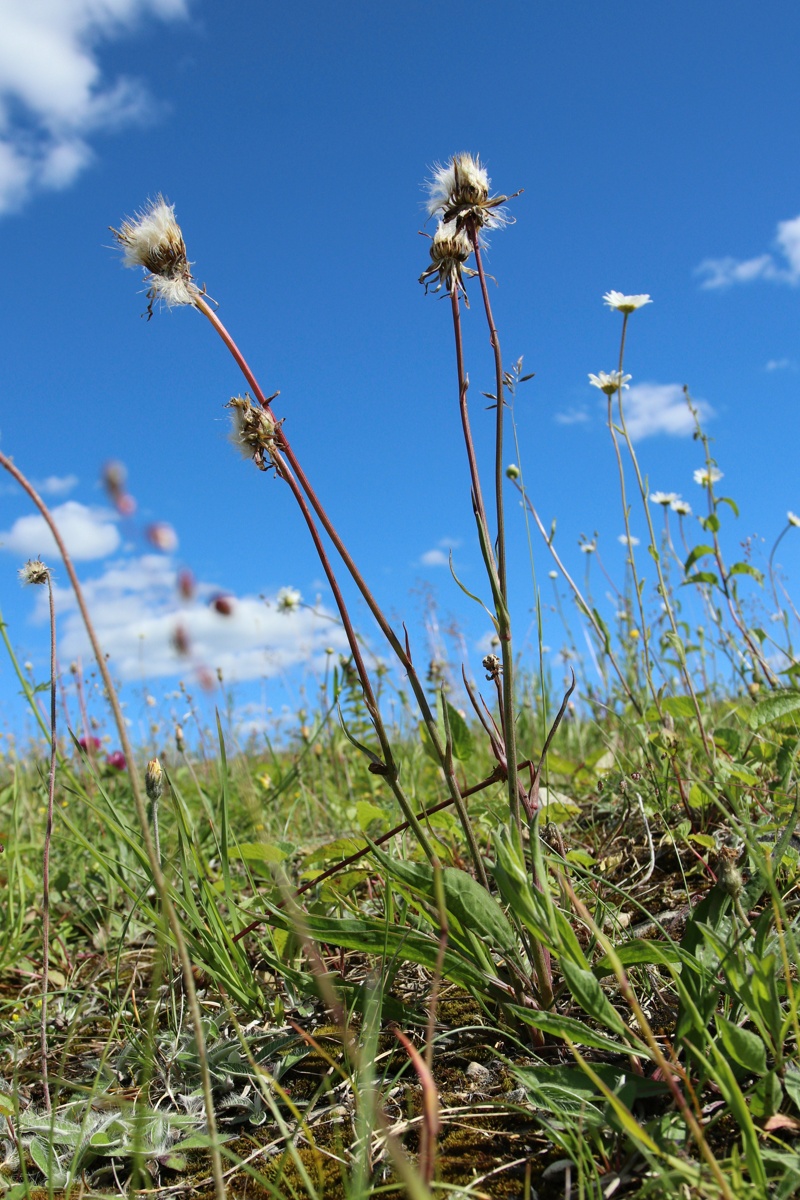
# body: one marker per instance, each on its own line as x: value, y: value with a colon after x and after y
x: 402, y: 653
x: 503, y: 616
x: 141, y: 811
x: 51, y: 787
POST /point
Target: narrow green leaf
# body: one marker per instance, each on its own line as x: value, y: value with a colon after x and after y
x: 745, y: 1047
x: 586, y: 990
x: 698, y: 552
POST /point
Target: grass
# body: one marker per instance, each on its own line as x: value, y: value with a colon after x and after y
x: 515, y: 940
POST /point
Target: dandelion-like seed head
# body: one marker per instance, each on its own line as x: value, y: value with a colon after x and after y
x: 34, y: 573
x: 793, y: 519
x: 153, y: 240
x: 705, y: 476
x: 609, y: 382
x: 450, y: 249
x: 667, y: 499
x: 625, y: 304
x: 459, y: 191
x: 253, y: 431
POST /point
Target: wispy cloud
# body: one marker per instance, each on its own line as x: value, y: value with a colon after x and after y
x: 572, y: 416
x: 783, y: 266
x: 136, y: 610
x: 781, y: 364
x: 652, y: 408
x: 89, y: 533
x: 56, y: 485
x: 53, y: 95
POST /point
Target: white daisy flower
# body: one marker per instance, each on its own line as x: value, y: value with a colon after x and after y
x: 682, y: 507
x: 288, y: 598
x: 793, y: 519
x: 665, y: 498
x: 625, y: 304
x: 609, y: 382
x: 705, y: 476
x: 624, y: 540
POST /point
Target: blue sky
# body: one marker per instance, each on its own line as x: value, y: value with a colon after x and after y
x: 656, y: 148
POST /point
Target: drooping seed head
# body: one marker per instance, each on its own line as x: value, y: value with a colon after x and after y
x: 253, y: 432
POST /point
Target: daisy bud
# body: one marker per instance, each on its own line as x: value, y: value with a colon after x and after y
x: 512, y: 471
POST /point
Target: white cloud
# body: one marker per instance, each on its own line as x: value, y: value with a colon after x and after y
x: 434, y: 558
x: 652, y: 408
x: 53, y: 95
x: 573, y: 416
x: 781, y: 364
x: 87, y: 532
x: 56, y: 485
x: 136, y: 610
x: 783, y: 267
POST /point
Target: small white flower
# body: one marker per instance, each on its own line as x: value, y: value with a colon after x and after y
x: 793, y: 519
x: 288, y: 599
x: 553, y: 574
x: 705, y: 476
x: 665, y: 498
x: 588, y: 547
x: 609, y: 382
x: 625, y: 304
x: 628, y: 541
x: 153, y: 240
x: 682, y: 507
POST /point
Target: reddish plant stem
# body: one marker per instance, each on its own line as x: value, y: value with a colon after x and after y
x: 51, y: 787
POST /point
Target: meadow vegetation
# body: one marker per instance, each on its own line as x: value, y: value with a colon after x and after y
x: 501, y: 937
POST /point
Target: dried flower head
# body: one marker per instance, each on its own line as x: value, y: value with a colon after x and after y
x: 609, y: 382
x: 162, y: 536
x: 459, y: 191
x: 154, y: 779
x: 450, y: 249
x: 253, y: 432
x: 153, y: 240
x: 492, y: 666
x: 625, y: 304
x: 34, y: 572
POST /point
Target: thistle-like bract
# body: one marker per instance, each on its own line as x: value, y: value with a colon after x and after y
x: 459, y: 191
x: 153, y: 240
x: 253, y: 432
x: 450, y: 249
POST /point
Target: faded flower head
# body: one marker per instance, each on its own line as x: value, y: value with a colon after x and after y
x: 450, y: 249
x: 665, y: 498
x: 253, y: 432
x: 34, y: 572
x: 625, y: 304
x: 609, y: 382
x: 153, y: 240
x: 154, y: 779
x: 793, y: 519
x: 705, y: 476
x: 288, y: 599
x: 459, y: 191
x: 682, y: 507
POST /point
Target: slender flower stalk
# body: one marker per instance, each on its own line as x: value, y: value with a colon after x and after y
x: 160, y: 883
x: 267, y: 440
x: 36, y: 574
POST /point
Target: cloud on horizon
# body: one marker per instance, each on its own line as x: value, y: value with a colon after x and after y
x: 53, y: 95
x: 782, y: 267
x: 88, y: 533
x: 136, y: 610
